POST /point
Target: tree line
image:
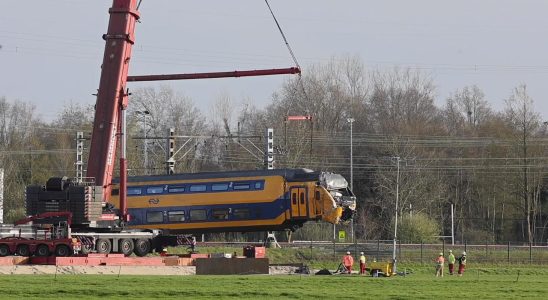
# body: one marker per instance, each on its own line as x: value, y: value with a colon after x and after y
x: 489, y: 165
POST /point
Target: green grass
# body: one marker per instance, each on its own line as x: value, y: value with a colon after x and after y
x: 480, y: 283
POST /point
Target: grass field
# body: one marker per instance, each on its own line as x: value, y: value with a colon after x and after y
x: 479, y: 283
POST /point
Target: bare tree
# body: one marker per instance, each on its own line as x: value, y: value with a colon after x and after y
x: 472, y: 105
x: 522, y: 118
x: 402, y: 102
x: 167, y: 109
x: 18, y: 125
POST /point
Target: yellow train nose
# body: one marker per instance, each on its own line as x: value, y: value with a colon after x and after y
x: 333, y: 216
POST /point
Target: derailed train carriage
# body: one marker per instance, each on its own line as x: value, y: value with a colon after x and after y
x: 236, y: 201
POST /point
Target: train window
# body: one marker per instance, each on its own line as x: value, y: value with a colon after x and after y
x: 176, y: 216
x: 198, y: 188
x: 294, y: 198
x: 198, y: 214
x: 258, y: 185
x: 134, y: 191
x: 155, y: 217
x: 115, y: 192
x: 241, y: 186
x: 219, y: 214
x: 317, y: 195
x: 302, y: 198
x: 219, y: 187
x: 241, y: 213
x: 155, y: 189
x: 176, y: 189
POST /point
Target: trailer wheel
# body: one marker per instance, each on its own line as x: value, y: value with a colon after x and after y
x: 62, y: 250
x: 42, y: 250
x: 103, y: 246
x: 86, y: 249
x: 4, y: 250
x: 142, y: 247
x: 126, y: 246
x: 23, y: 250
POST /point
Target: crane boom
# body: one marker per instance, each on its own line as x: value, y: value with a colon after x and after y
x: 211, y: 75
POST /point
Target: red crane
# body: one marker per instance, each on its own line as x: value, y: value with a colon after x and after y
x: 112, y: 96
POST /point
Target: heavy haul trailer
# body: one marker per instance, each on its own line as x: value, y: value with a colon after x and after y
x: 89, y: 220
x: 96, y: 223
x: 49, y: 234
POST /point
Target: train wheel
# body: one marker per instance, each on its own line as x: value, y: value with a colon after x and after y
x: 42, y: 250
x: 142, y: 247
x: 23, y: 250
x: 62, y: 250
x: 103, y: 246
x: 126, y: 246
x: 4, y: 250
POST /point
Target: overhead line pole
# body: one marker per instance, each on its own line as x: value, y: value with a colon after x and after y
x: 351, y: 120
x: 394, y: 269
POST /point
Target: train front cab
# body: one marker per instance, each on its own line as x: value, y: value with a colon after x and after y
x: 313, y: 201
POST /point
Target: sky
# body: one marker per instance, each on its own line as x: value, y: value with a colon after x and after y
x: 51, y: 51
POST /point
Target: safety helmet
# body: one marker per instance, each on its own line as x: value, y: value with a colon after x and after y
x: 464, y: 253
x: 347, y: 252
x: 450, y: 251
x: 441, y: 254
x: 361, y: 253
x: 164, y: 250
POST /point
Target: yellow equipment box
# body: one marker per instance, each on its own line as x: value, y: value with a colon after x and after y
x: 380, y: 268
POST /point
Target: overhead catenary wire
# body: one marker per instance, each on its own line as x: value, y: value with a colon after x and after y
x: 153, y: 58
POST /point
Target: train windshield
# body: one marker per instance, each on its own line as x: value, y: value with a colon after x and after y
x: 333, y: 181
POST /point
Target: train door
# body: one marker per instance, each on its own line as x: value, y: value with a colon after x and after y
x: 298, y: 202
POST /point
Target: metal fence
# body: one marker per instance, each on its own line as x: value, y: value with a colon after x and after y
x: 427, y: 253
x: 382, y: 250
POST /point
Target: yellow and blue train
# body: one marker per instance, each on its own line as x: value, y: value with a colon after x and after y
x: 236, y: 201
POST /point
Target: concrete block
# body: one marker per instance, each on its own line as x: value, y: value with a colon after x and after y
x: 231, y: 266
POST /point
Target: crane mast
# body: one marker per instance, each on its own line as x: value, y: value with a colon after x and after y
x: 112, y: 96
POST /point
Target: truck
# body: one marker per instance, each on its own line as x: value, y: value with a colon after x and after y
x: 67, y: 211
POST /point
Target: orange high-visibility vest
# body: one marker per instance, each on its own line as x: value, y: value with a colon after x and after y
x: 440, y: 260
x: 348, y: 260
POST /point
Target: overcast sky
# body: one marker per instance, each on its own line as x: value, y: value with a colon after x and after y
x: 51, y: 50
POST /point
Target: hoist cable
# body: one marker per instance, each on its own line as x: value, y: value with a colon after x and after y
x: 283, y: 35
x: 300, y: 82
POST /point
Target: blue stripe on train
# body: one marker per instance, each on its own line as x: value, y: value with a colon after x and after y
x: 291, y: 175
x: 257, y: 211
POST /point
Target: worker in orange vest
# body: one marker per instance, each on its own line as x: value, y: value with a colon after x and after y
x: 76, y: 246
x: 348, y: 261
x: 440, y: 261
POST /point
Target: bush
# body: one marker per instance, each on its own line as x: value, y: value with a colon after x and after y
x: 417, y: 228
x: 12, y: 215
